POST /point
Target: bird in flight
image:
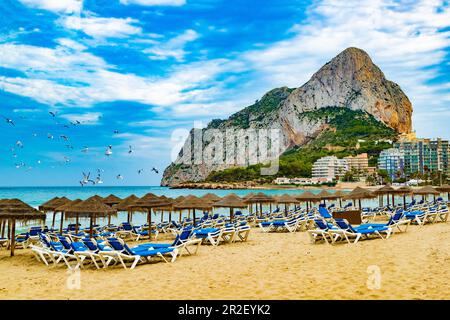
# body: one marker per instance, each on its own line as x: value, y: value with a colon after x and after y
x: 108, y: 151
x: 19, y: 144
x: 9, y: 120
x: 119, y: 177
x: 53, y: 113
x: 140, y: 171
x: 155, y: 170
x: 85, y: 149
x: 130, y: 150
x: 86, y: 179
x: 116, y: 131
x: 64, y: 137
x: 49, y: 135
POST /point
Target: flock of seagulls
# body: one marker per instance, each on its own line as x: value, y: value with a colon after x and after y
x: 86, y: 177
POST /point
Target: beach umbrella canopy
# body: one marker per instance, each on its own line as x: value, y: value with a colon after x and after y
x: 230, y: 201
x: 359, y: 193
x: 148, y: 202
x: 386, y: 189
x: 248, y: 196
x: 125, y: 203
x: 443, y: 188
x: 46, y: 204
x: 287, y: 199
x: 15, y: 210
x: 403, y: 190
x: 211, y: 197
x: 54, y: 203
x: 88, y: 208
x: 260, y: 198
x: 91, y: 208
x: 111, y: 200
x: 307, y: 196
x: 192, y: 202
x: 97, y: 197
x: 68, y: 205
x: 426, y: 190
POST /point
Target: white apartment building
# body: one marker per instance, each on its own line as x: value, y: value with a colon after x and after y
x: 329, y: 168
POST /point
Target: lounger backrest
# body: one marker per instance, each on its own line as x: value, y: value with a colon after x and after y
x: 320, y: 224
x: 344, y: 225
x: 324, y: 212
x: 128, y: 249
x: 64, y: 242
x: 78, y: 246
x: 34, y: 231
x: 126, y: 226
x: 90, y: 244
x: 44, y: 240
x: 115, y: 244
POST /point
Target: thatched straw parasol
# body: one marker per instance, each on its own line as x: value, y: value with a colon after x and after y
x: 261, y: 198
x: 90, y: 208
x: 211, y: 197
x: 286, y: 199
x: 404, y: 190
x: 359, y: 193
x: 425, y: 191
x: 386, y: 190
x: 64, y: 208
x: 230, y: 201
x: 111, y: 200
x: 48, y: 205
x: 148, y: 202
x: 307, y: 197
x: 14, y: 210
x: 168, y: 207
x: 52, y: 205
x: 124, y: 204
x: 444, y: 188
x: 192, y: 202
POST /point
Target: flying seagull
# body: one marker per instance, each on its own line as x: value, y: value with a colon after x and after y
x: 85, y: 149
x: 140, y: 171
x: 119, y: 177
x: 130, y: 150
x: 19, y: 144
x: 50, y: 136
x: 53, y: 113
x: 9, y: 120
x: 155, y: 170
x: 64, y: 137
x: 108, y: 151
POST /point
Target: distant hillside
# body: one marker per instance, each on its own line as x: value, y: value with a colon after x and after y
x: 348, y: 99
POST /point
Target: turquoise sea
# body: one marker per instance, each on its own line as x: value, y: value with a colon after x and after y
x: 35, y: 196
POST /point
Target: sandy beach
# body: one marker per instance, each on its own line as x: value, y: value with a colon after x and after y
x: 413, y: 265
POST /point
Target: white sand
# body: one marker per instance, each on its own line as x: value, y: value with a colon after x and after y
x: 414, y: 265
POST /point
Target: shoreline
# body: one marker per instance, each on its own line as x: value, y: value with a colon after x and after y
x: 254, y: 186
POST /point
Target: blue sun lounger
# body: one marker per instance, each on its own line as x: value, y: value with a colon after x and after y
x: 124, y: 253
x: 346, y: 231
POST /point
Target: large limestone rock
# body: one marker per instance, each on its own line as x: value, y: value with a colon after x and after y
x: 350, y: 80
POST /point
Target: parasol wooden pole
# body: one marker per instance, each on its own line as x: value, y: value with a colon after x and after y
x: 359, y: 202
x: 13, y: 237
x: 340, y: 202
x: 393, y: 200
x: 76, y: 225
x: 61, y: 223
x: 193, y: 215
x: 149, y: 222
x: 231, y: 215
x: 3, y: 228
x: 260, y: 208
x: 170, y: 215
x: 285, y: 208
x: 180, y: 216
x: 128, y: 216
x: 404, y: 201
x: 109, y: 219
x: 53, y: 220
x: 162, y: 215
x: 91, y: 224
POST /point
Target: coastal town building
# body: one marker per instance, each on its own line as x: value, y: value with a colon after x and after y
x: 424, y: 155
x: 359, y: 162
x: 329, y: 167
x: 392, y: 161
x: 300, y: 181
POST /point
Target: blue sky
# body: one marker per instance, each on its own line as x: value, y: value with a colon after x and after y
x: 149, y: 68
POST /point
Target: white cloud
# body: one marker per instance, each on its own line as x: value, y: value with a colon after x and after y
x: 72, y: 77
x: 173, y: 48
x: 58, y: 6
x: 98, y: 27
x: 88, y: 118
x: 154, y: 2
